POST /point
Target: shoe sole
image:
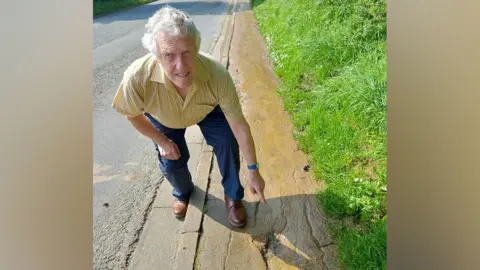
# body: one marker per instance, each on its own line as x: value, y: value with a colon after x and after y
x: 179, y: 216
x: 241, y: 225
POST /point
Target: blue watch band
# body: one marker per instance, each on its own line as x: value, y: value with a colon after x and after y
x: 253, y: 167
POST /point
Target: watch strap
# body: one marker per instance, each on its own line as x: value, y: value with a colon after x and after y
x: 253, y: 167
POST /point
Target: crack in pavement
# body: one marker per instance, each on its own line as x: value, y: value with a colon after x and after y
x: 189, y: 232
x: 283, y: 215
x: 230, y: 40
x: 323, y: 255
x: 255, y: 212
x: 138, y: 232
x: 315, y: 240
x: 228, y: 250
x: 293, y: 176
x: 270, y: 239
x: 200, y: 229
x: 328, y: 244
x: 176, y: 251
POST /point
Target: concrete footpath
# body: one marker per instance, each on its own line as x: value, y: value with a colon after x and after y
x: 290, y: 231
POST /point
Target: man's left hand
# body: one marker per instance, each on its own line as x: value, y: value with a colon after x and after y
x: 257, y: 185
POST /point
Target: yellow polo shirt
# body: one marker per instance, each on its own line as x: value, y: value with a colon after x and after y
x: 146, y: 88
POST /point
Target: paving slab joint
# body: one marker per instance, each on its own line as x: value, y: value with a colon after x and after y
x: 200, y: 229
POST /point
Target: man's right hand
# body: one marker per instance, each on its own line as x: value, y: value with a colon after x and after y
x: 169, y: 150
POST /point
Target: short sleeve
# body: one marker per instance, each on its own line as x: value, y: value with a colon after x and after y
x: 228, y: 99
x: 129, y: 100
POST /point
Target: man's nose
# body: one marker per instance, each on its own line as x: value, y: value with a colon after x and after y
x: 179, y: 64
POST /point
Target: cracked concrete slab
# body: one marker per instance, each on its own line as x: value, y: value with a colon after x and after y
x: 158, y: 242
x: 186, y: 248
x: 243, y: 254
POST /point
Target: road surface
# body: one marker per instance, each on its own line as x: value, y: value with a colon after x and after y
x: 125, y: 174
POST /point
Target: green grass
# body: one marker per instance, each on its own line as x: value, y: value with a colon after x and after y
x: 103, y: 7
x: 371, y: 242
x: 331, y: 58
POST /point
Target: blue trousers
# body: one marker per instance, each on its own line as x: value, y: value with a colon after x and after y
x: 219, y: 135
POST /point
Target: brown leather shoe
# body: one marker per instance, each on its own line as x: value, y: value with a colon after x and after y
x: 179, y: 208
x: 236, y: 212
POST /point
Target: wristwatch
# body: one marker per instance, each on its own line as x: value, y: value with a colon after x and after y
x: 253, y: 167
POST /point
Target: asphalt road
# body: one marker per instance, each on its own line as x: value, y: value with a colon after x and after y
x: 125, y: 167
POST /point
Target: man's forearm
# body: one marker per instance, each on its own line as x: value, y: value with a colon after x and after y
x: 143, y: 126
x: 246, y: 143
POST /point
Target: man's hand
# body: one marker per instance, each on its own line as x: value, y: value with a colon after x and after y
x: 257, y: 185
x: 169, y: 150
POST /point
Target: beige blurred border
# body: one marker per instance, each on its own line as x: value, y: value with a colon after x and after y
x: 433, y: 134
x: 46, y: 135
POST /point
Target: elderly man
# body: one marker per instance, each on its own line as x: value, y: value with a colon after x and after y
x: 174, y: 87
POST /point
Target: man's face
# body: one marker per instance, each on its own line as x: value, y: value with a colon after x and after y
x: 177, y: 56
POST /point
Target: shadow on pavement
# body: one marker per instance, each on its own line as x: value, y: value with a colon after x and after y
x: 191, y: 7
x: 290, y: 228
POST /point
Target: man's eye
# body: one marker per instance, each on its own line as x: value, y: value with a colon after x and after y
x: 168, y: 56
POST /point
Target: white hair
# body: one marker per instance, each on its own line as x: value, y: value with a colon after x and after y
x: 172, y: 21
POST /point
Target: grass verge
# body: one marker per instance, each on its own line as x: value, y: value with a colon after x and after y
x: 103, y: 7
x: 331, y: 58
